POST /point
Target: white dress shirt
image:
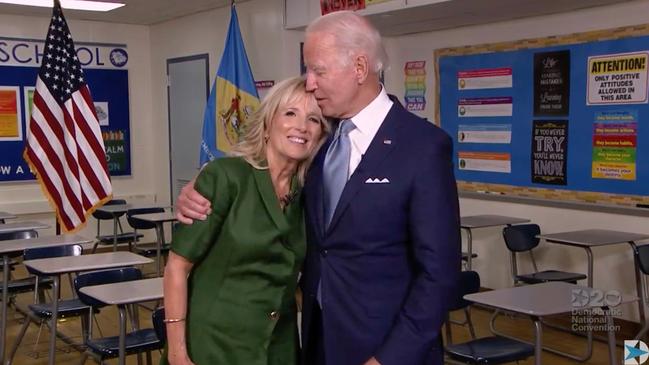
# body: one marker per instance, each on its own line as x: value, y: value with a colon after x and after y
x: 367, y: 123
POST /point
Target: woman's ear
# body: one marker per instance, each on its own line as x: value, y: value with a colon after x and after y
x: 361, y: 67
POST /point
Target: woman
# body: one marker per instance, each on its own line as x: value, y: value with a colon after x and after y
x: 230, y: 280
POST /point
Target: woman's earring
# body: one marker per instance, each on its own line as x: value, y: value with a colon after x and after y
x: 266, y: 139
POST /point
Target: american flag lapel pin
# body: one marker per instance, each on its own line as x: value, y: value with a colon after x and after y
x: 387, y: 141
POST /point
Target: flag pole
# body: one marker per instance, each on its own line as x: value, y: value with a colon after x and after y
x: 57, y: 3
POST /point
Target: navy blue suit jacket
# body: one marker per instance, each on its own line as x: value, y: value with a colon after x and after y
x: 390, y: 259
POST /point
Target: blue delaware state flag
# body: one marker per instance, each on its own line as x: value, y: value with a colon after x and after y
x: 232, y: 100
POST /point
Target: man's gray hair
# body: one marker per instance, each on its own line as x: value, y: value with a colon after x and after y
x: 352, y: 33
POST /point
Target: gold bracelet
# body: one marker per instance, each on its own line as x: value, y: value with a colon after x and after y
x: 173, y: 320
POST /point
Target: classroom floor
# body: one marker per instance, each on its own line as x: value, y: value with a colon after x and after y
x: 31, y: 352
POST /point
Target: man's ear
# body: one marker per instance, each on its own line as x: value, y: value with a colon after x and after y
x: 361, y: 67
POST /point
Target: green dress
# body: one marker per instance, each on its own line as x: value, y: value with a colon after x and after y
x: 241, y: 292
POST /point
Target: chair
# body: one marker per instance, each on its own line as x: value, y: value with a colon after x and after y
x: 16, y: 236
x: 469, y: 283
x: 484, y: 350
x: 137, y: 341
x: 158, y: 317
x: 122, y: 237
x: 23, y: 285
x: 43, y: 311
x: 149, y: 249
x: 522, y: 238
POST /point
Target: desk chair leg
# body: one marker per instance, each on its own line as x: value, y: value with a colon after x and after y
x: 160, y: 241
x: 56, y: 293
x: 122, y: 335
x: 645, y: 324
x: 21, y: 334
x: 469, y: 246
x: 612, y: 354
x: 83, y: 359
x: 643, y: 332
x: 538, y: 341
x: 39, y: 297
x: 132, y: 313
x: 115, y: 234
x: 85, y: 319
x: 5, y: 289
x: 640, y: 292
x: 467, y: 313
x: 492, y: 323
x: 149, y: 360
x: 449, y: 335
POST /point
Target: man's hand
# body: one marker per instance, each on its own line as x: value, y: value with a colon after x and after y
x: 191, y: 205
x: 372, y: 361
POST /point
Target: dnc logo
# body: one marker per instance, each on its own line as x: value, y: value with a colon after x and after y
x: 635, y: 352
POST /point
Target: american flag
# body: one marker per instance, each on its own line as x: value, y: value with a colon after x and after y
x: 64, y: 144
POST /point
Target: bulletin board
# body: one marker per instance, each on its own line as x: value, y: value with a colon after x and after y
x: 106, y: 72
x: 560, y: 118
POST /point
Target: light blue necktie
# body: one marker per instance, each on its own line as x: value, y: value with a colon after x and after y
x: 336, y: 168
x: 335, y: 173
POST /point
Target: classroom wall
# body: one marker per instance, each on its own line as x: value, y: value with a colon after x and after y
x: 26, y: 198
x: 613, y: 265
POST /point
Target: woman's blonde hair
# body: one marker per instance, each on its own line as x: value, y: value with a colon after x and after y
x: 252, y: 142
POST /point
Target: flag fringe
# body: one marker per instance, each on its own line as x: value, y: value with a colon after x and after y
x: 51, y: 202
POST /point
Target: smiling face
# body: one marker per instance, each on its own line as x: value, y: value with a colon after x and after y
x: 294, y: 131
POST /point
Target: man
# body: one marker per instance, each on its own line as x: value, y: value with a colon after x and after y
x: 383, y: 254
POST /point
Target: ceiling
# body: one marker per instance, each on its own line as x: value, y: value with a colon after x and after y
x: 458, y: 13
x: 443, y: 15
x: 143, y: 12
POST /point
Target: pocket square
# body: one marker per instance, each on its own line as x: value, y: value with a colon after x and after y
x: 376, y: 180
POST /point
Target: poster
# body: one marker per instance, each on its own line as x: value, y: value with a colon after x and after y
x: 329, y: 6
x: 485, y: 78
x: 550, y: 152
x: 10, y: 127
x: 115, y: 144
x: 263, y: 87
x: 618, y: 78
x: 485, y: 107
x: 484, y: 133
x: 551, y: 83
x: 103, y: 113
x: 615, y: 136
x: 485, y: 161
x: 28, y: 94
x: 415, y: 85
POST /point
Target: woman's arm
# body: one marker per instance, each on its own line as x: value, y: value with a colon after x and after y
x: 175, y: 301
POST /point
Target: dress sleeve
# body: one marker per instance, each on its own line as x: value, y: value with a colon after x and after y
x: 195, y: 240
